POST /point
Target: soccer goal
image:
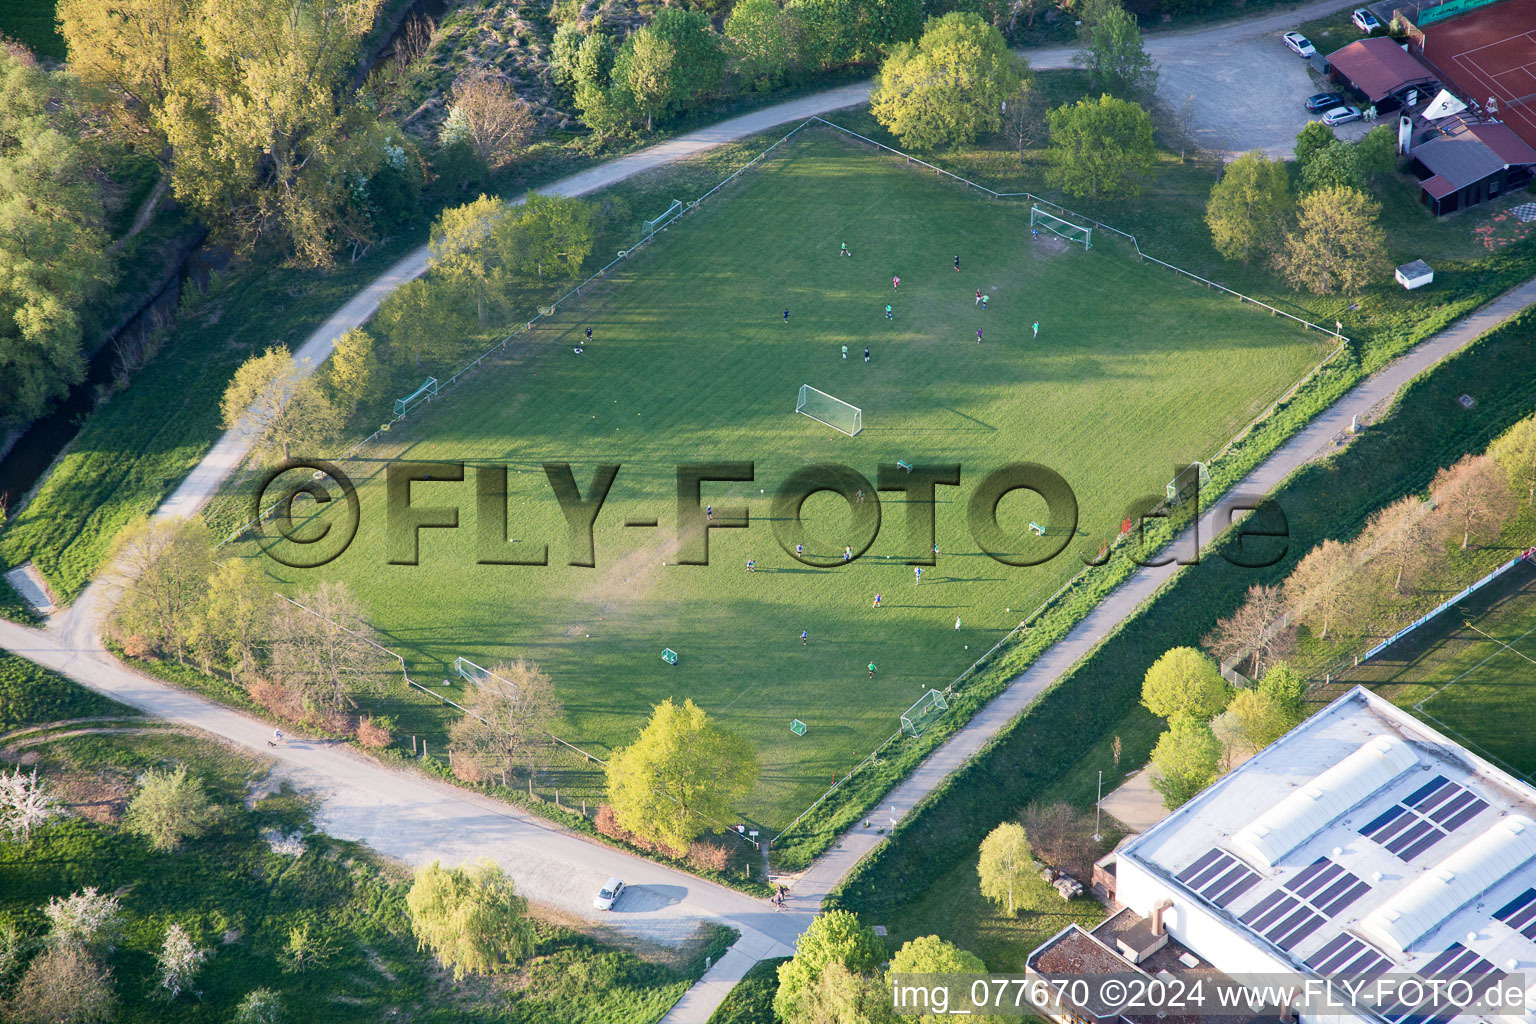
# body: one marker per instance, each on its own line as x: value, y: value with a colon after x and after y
x: 650, y: 227
x: 920, y: 715
x: 472, y: 673
x: 1039, y: 218
x: 1188, y: 483
x: 427, y: 390
x: 834, y: 412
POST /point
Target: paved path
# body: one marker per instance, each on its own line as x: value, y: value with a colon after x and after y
x: 1315, y: 441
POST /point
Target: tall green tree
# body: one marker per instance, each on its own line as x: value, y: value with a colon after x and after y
x: 1185, y: 683
x: 137, y: 47
x: 281, y: 404
x: 470, y: 917
x: 52, y: 247
x: 169, y: 808
x: 1187, y: 758
x: 1006, y: 864
x: 160, y: 573
x: 1515, y: 452
x: 681, y: 775
x: 1100, y: 147
x: 930, y: 954
x: 764, y: 43
x: 1337, y: 245
x: 843, y: 32
x: 835, y: 939
x: 546, y: 233
x: 1312, y: 139
x: 237, y: 616
x: 1113, y: 52
x: 353, y: 376
x: 644, y: 66
x: 949, y: 86
x: 1333, y: 166
x: 1247, y: 205
x: 462, y: 249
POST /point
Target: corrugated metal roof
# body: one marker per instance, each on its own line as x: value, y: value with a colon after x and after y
x: 1461, y: 159
x: 1378, y: 67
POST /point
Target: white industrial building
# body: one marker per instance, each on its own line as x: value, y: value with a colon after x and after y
x: 1363, y: 841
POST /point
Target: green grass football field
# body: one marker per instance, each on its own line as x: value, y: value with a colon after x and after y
x: 1134, y: 370
x: 1471, y: 673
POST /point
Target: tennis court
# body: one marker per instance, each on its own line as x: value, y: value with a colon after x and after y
x: 1489, y: 56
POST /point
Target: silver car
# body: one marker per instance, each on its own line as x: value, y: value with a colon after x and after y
x: 609, y: 894
x: 1299, y: 44
x: 1341, y: 115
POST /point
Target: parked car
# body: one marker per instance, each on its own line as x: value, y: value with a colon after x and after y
x: 1364, y: 20
x: 1299, y: 44
x: 1319, y: 102
x: 1341, y: 115
x: 609, y: 894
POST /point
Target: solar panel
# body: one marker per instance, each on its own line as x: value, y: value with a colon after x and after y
x: 1219, y: 877
x: 1520, y: 913
x: 1456, y: 962
x: 1345, y: 954
x: 1328, y: 887
x: 1283, y: 919
x: 1424, y: 817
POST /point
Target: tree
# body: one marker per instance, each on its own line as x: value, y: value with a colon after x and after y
x: 1473, y: 497
x: 1246, y: 205
x: 843, y: 32
x: 565, y: 55
x: 1258, y: 631
x: 1317, y: 590
x: 1024, y: 119
x: 470, y: 917
x: 1396, y: 540
x: 1312, y: 139
x: 87, y: 920
x: 1100, y: 147
x: 840, y: 996
x: 1333, y: 166
x: 594, y: 64
x: 949, y: 86
x: 260, y: 1006
x: 138, y: 47
x: 268, y: 134
x: 508, y: 722
x: 700, y: 61
x: 835, y: 939
x: 1337, y: 244
x: 15, y: 944
x: 1006, y: 864
x: 1113, y: 53
x: 1376, y: 153
x: 644, y: 66
x: 66, y: 985
x: 1185, y: 683
x: 25, y: 803
x: 178, y: 960
x: 53, y: 259
x: 1260, y: 718
x: 236, y: 616
x: 1286, y: 689
x: 462, y: 250
x: 1062, y: 836
x: 930, y: 954
x: 546, y: 231
x: 680, y: 776
x: 1515, y: 452
x: 764, y: 41
x: 422, y: 318
x: 496, y: 122
x: 1187, y: 758
x: 159, y: 576
x: 281, y: 404
x: 352, y: 374
x: 326, y: 649
x: 170, y: 806
x: 306, y: 948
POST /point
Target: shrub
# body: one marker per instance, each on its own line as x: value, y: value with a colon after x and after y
x: 375, y: 732
x: 709, y: 856
x: 280, y: 700
x: 169, y: 807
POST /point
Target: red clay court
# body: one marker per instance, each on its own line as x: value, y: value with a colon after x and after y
x: 1491, y: 52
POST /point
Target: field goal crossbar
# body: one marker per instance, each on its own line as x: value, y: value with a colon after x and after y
x: 834, y: 412
x: 427, y: 390
x: 1060, y: 226
x: 928, y: 707
x: 650, y: 227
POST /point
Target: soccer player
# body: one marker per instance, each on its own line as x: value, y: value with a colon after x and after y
x: 709, y: 511
x: 957, y: 623
x: 978, y: 335
x: 786, y: 315
x: 895, y: 283
x: 799, y: 550
x: 866, y: 353
x: 751, y: 565
x: 845, y: 250
x: 589, y: 335
x: 957, y: 264
x: 805, y: 638
x: 978, y: 296
x: 845, y: 351
x: 888, y: 314
x: 1035, y: 232
x: 917, y: 575
x: 871, y: 670
x: 877, y: 601
x: 1036, y: 326
x: 847, y: 554
x: 984, y: 300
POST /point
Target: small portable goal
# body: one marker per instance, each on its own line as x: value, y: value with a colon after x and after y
x: 421, y: 394
x: 834, y: 412
x: 922, y: 714
x: 472, y: 673
x: 1039, y: 218
x: 650, y: 227
x: 1189, y: 482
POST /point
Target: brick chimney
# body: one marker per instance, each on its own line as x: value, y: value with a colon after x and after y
x: 1157, y: 916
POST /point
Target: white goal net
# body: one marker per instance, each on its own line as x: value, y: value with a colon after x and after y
x: 834, y: 412
x: 1039, y: 218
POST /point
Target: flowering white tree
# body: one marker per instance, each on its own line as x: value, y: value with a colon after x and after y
x: 86, y: 920
x: 25, y: 802
x: 178, y: 960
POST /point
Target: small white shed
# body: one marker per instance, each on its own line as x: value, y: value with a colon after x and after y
x: 1414, y: 275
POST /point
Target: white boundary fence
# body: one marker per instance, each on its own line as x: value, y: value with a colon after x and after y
x: 1528, y: 555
